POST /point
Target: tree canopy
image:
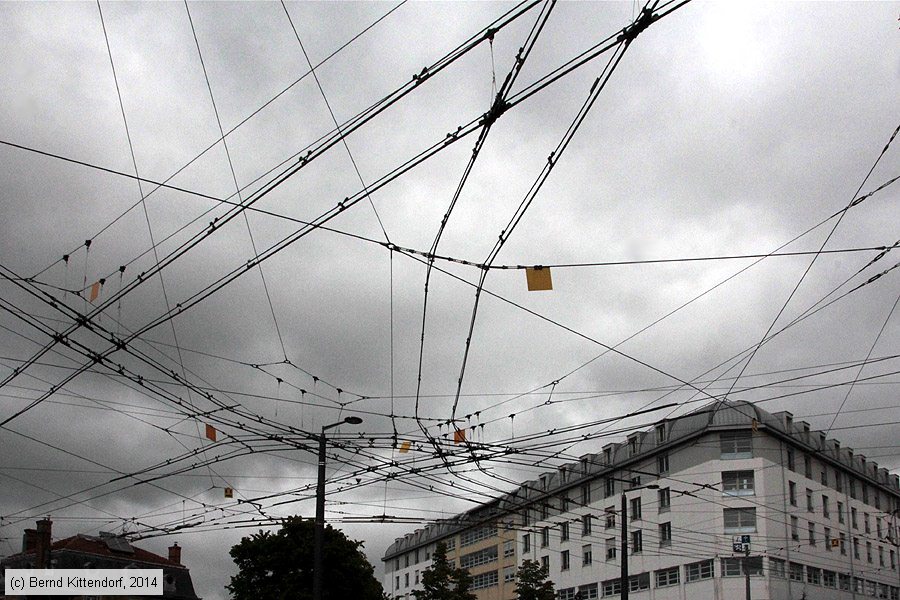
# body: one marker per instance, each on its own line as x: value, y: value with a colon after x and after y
x: 531, y: 582
x: 442, y: 581
x: 280, y: 565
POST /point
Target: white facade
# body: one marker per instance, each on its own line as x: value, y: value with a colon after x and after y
x: 692, y: 484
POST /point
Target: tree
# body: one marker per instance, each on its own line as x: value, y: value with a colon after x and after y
x: 441, y: 581
x: 280, y: 565
x: 531, y: 582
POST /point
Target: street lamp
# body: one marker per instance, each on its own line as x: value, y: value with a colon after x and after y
x: 320, y: 509
x: 623, y: 582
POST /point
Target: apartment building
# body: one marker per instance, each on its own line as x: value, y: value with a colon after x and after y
x: 821, y: 520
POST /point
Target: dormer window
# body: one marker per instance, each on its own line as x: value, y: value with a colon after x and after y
x: 607, y: 455
x: 736, y: 444
x: 632, y: 446
x: 661, y: 433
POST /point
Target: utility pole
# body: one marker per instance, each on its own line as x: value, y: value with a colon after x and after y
x: 623, y: 561
x: 747, y: 570
x: 623, y: 575
x: 318, y: 550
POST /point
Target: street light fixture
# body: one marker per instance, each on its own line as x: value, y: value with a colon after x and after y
x: 320, y: 508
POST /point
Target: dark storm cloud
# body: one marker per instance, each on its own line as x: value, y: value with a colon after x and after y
x: 728, y: 128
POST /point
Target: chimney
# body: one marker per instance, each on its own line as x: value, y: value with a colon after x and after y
x: 175, y: 553
x: 29, y: 540
x: 42, y: 544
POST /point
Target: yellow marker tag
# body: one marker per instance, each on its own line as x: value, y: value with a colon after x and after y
x: 538, y: 279
x: 95, y: 291
x: 211, y: 433
x: 459, y: 436
x: 404, y: 447
x: 229, y: 493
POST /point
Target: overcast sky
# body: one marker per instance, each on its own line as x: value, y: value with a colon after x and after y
x: 726, y: 129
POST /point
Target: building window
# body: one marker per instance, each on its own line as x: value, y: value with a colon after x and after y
x: 829, y: 578
x: 880, y: 556
x: 632, y: 446
x: 564, y: 503
x: 526, y: 543
x: 812, y: 533
x: 417, y: 577
x: 796, y: 571
x: 406, y: 580
x: 472, y: 536
x: 637, y: 583
x: 893, y: 560
x: 865, y: 489
x: 807, y: 466
x: 790, y: 460
x: 824, y: 476
x: 827, y: 536
x: 878, y: 527
x: 776, y: 567
x: 610, y: 517
x: 814, y: 575
x: 795, y: 529
x: 609, y: 487
x: 665, y: 500
x: 612, y: 587
x: 665, y: 534
x: 843, y: 544
x: 698, y: 570
x: 545, y: 563
x: 662, y: 463
x: 661, y: 433
x: 854, y: 522
x: 838, y: 481
x: 826, y: 509
x: 479, y: 557
x: 451, y: 543
x: 840, y: 512
x: 844, y: 582
x: 637, y: 541
x: 564, y: 531
x: 740, y: 520
x: 545, y: 511
x: 397, y: 582
x: 667, y: 577
x: 406, y: 560
x: 567, y: 594
x: 853, y: 488
x: 635, y: 481
x: 736, y: 444
x: 589, y: 591
x: 564, y: 558
x: 509, y: 574
x: 856, y: 548
x: 866, y: 523
x: 809, y: 500
x: 587, y: 555
x: 545, y: 537
x: 509, y: 548
x: 587, y: 522
x: 484, y: 580
x: 869, y: 551
x: 792, y: 493
x: 737, y: 483
x: 635, y: 509
x: 734, y: 567
x: 586, y: 494
x: 610, y: 548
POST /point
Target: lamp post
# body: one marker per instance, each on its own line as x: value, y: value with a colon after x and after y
x: 320, y: 509
x: 623, y: 575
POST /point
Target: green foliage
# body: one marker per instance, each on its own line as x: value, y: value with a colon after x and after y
x: 442, y: 581
x: 531, y: 582
x: 279, y: 566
